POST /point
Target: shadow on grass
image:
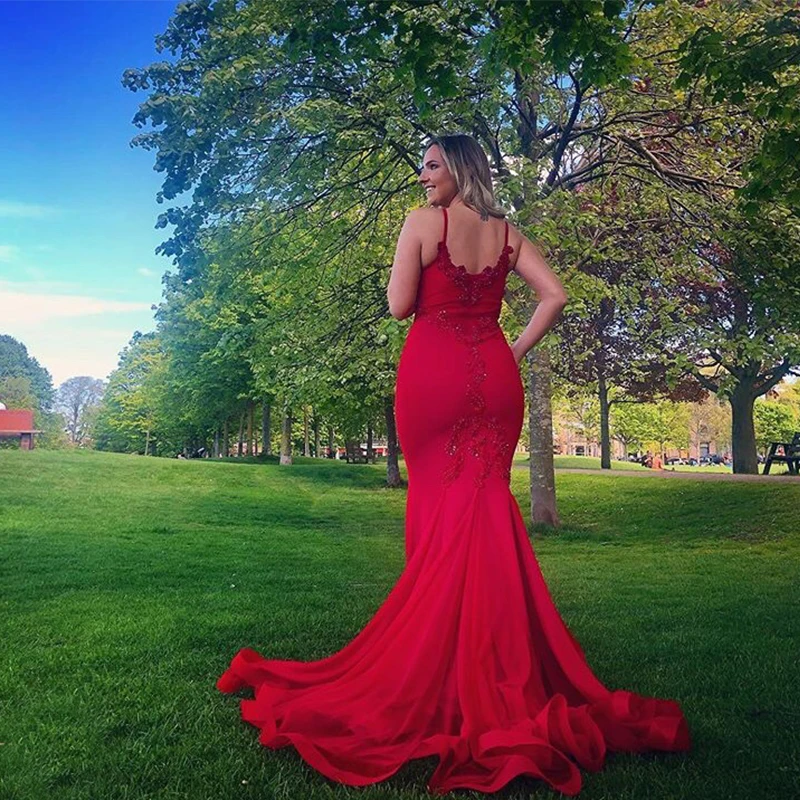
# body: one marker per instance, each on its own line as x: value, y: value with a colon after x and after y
x: 332, y: 472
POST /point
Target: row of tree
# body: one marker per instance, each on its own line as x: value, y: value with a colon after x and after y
x: 666, y: 425
x: 141, y: 420
x: 648, y: 147
x: 76, y: 404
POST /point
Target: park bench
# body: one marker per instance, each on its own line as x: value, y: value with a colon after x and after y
x: 353, y: 453
x: 789, y: 454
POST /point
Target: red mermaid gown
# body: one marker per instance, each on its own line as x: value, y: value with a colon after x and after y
x: 467, y: 659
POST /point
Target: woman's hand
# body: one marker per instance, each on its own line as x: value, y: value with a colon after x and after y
x: 551, y: 297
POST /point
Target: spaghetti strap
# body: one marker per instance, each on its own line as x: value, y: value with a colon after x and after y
x: 505, y: 244
x: 444, y: 232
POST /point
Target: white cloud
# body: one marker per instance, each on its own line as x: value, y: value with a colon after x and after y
x: 20, y: 305
x: 70, y: 334
x: 77, y: 347
x: 9, y: 208
x: 8, y: 253
x: 145, y: 273
x: 40, y: 286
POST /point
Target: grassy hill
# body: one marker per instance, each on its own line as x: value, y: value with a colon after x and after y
x: 127, y: 583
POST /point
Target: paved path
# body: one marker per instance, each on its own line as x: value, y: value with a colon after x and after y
x: 668, y: 473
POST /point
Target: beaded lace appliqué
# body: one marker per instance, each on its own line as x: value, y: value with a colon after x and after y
x: 476, y: 433
x: 471, y: 284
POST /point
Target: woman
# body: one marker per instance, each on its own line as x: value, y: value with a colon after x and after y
x: 467, y: 659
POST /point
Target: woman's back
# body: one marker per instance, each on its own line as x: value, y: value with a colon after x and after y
x: 449, y: 290
x: 472, y: 243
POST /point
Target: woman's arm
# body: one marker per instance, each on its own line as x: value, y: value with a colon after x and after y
x: 534, y: 270
x: 404, y: 280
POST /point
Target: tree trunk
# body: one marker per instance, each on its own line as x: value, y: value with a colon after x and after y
x: 286, y: 437
x: 306, y: 433
x: 331, y: 452
x: 743, y: 440
x: 369, y: 441
x: 216, y: 443
x: 147, y: 441
x: 226, y: 440
x: 540, y: 420
x: 241, y: 434
x: 316, y: 436
x: 605, y: 432
x: 393, y: 477
x: 266, y: 429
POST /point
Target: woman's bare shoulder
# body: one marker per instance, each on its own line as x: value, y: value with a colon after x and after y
x: 515, y: 239
x: 424, y: 216
x: 521, y: 242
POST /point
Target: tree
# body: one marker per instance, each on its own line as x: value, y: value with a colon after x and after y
x: 127, y: 420
x: 580, y: 411
x: 280, y: 111
x: 303, y: 122
x: 788, y: 392
x: 24, y: 383
x: 749, y: 55
x: 16, y: 363
x: 610, y: 339
x: 668, y: 424
x: 663, y: 423
x: 747, y: 295
x: 734, y: 330
x: 205, y: 334
x: 774, y: 422
x: 17, y: 392
x: 630, y: 424
x: 78, y: 399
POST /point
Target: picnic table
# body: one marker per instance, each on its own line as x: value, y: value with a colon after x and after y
x: 356, y: 454
x: 786, y: 453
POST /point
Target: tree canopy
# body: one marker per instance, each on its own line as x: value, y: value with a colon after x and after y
x: 289, y: 135
x: 15, y: 362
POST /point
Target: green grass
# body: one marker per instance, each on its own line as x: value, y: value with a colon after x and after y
x: 127, y: 583
x: 593, y: 462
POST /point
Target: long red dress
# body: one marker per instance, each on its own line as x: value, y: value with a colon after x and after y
x: 468, y: 658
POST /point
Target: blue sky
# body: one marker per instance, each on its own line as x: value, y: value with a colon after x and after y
x: 78, y: 271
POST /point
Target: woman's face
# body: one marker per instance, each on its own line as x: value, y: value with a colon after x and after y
x: 438, y: 181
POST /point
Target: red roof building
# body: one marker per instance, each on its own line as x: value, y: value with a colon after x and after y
x: 18, y: 424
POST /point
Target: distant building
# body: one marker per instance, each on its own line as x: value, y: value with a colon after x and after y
x: 17, y: 424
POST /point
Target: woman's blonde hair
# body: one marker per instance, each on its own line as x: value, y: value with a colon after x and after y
x: 467, y: 162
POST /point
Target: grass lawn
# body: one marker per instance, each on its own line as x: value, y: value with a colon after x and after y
x: 593, y: 462
x: 588, y: 462
x: 127, y: 583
